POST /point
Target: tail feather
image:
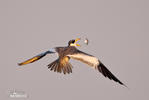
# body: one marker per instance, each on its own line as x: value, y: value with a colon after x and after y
x: 57, y: 67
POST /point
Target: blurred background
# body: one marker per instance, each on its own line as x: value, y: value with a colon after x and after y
x: 118, y: 33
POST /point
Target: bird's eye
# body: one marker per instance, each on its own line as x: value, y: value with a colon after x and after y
x: 73, y: 41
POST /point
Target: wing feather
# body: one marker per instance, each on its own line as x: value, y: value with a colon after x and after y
x: 107, y: 73
x: 93, y: 61
x: 85, y: 58
x: 35, y: 58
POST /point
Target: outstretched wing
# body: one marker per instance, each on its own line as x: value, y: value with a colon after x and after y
x: 35, y: 58
x: 107, y: 73
x: 61, y: 65
x: 94, y: 62
x: 85, y: 58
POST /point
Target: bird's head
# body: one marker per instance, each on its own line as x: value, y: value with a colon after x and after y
x: 73, y: 42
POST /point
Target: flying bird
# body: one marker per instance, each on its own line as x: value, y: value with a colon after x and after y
x: 62, y: 64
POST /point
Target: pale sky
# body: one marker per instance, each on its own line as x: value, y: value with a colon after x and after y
x: 119, y: 37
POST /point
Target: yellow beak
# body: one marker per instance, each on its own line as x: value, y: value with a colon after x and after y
x: 76, y: 41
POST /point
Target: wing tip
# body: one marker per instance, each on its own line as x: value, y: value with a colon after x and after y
x: 107, y: 73
x: 19, y: 64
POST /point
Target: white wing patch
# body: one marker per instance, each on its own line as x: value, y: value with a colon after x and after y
x: 90, y: 60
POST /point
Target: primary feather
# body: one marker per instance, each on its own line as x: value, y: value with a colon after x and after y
x: 94, y: 62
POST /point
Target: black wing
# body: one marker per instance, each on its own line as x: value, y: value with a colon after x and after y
x: 107, y: 73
